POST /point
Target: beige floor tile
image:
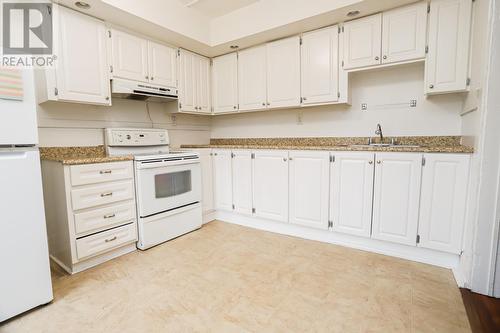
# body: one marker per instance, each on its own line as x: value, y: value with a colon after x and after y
x: 227, y: 278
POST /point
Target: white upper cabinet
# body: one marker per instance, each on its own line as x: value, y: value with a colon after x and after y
x: 363, y: 39
x: 270, y: 184
x: 404, y: 33
x: 309, y: 178
x: 351, y: 192
x: 225, y: 83
x: 446, y: 67
x: 203, y: 86
x: 187, y: 81
x: 223, y: 188
x: 82, y: 70
x: 252, y: 81
x: 242, y: 181
x: 162, y: 64
x: 320, y: 66
x: 396, y: 197
x: 283, y: 73
x: 443, y: 201
x: 129, y: 55
x: 194, y: 83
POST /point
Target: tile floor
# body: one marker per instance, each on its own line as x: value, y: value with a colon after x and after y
x: 227, y: 278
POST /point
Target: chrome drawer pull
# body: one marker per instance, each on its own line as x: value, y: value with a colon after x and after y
x: 106, y: 194
x: 109, y: 216
x: 110, y: 239
x: 102, y: 172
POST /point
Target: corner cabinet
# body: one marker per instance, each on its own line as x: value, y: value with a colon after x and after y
x: 81, y: 74
x: 396, y: 197
x: 225, y: 83
x: 447, y: 65
x: 283, y: 73
x: 443, y: 201
x: 194, y: 83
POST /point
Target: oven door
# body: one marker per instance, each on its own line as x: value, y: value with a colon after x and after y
x: 163, y: 186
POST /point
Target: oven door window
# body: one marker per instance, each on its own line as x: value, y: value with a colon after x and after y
x: 171, y: 184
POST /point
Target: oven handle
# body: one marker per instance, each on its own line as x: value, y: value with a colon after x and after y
x: 141, y: 165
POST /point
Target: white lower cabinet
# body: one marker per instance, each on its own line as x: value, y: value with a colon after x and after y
x: 396, y: 197
x: 242, y: 181
x: 270, y: 184
x: 223, y: 188
x: 351, y: 192
x: 309, y: 178
x: 207, y: 200
x: 443, y: 201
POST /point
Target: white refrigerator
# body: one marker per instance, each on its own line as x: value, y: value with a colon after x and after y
x: 25, y: 280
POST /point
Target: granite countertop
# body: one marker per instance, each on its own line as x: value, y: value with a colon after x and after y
x: 80, y: 155
x: 426, y: 144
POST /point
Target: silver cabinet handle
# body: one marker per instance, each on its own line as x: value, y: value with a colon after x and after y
x: 304, y: 98
x: 284, y: 159
x: 103, y: 172
x: 377, y: 58
x: 378, y: 162
x: 152, y: 78
x: 234, y: 107
x: 264, y: 104
x: 106, y: 194
x: 215, y: 154
x: 385, y: 57
x: 370, y: 162
x: 147, y: 77
x: 290, y: 159
x: 107, y: 98
x: 109, y: 216
x: 110, y: 239
x: 268, y: 103
x: 431, y: 86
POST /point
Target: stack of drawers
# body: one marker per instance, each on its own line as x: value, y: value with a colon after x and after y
x: 100, y: 213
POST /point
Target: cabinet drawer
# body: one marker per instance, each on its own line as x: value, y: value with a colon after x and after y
x: 102, y: 194
x: 100, y: 172
x: 106, y: 240
x: 102, y: 218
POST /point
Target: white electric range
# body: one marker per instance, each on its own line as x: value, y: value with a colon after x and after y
x: 167, y: 183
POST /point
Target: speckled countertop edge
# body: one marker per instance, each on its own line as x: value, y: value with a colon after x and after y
x: 80, y: 155
x: 427, y: 144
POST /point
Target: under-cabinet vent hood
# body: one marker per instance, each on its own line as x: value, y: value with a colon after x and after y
x: 142, y: 91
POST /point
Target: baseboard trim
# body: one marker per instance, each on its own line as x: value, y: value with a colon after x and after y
x: 417, y: 254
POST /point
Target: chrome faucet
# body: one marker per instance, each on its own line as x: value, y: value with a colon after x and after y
x: 379, y: 133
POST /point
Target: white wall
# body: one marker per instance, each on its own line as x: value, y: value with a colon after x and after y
x: 68, y: 124
x: 386, y: 91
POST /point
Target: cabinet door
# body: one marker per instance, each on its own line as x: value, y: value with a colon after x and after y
x: 320, y: 66
x: 351, y: 193
x: 223, y: 188
x: 363, y: 39
x: 396, y: 197
x: 162, y: 64
x: 270, y: 185
x: 283, y: 73
x: 129, y: 56
x: 404, y: 33
x: 225, y: 83
x: 252, y: 84
x: 309, y: 179
x: 203, y: 85
x: 443, y: 201
x: 82, y: 71
x: 207, y: 179
x: 446, y: 66
x: 242, y: 181
x: 187, y: 81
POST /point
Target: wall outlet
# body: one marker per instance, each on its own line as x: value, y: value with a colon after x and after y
x: 173, y: 118
x: 299, y: 117
x: 364, y: 106
x: 413, y: 103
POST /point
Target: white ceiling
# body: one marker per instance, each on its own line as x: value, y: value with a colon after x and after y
x: 216, y: 8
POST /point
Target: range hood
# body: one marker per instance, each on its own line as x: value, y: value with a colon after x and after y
x: 142, y: 91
